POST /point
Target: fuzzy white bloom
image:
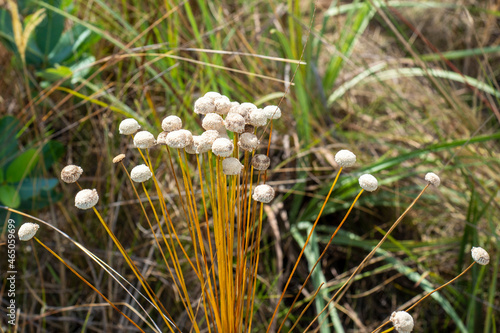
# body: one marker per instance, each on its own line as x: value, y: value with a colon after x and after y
x: 480, y: 255
x: 235, y: 122
x: 244, y: 110
x: 263, y: 193
x: 129, y: 126
x: 368, y: 182
x: 86, y: 199
x: 193, y: 148
x: 257, y: 117
x: 27, y: 231
x: 402, y: 321
x: 234, y: 106
x: 71, y: 173
x: 204, y: 105
x: 222, y: 147
x: 140, y: 173
x: 222, y: 105
x: 248, y: 141
x: 261, y: 162
x: 231, y: 166
x: 212, y: 121
x: 179, y: 139
x: 272, y: 112
x: 171, y: 123
x: 212, y: 96
x: 161, y: 139
x: 144, y: 139
x: 345, y: 158
x: 433, y: 179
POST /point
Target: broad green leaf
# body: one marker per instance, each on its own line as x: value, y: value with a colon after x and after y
x: 55, y: 74
x: 52, y: 151
x: 8, y: 129
x: 1, y: 176
x: 9, y: 196
x: 6, y: 33
x: 47, y: 34
x: 43, y: 200
x: 22, y: 166
x: 31, y: 187
x: 72, y: 44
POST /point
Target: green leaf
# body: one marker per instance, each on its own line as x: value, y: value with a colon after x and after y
x: 6, y: 33
x: 52, y: 151
x: 8, y: 129
x: 32, y: 187
x: 9, y: 196
x: 47, y: 34
x: 55, y: 74
x: 72, y: 44
x: 1, y: 176
x: 22, y: 165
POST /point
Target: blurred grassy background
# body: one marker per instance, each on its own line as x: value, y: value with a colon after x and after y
x: 409, y: 86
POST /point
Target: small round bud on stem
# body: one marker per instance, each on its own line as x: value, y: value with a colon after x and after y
x: 345, y: 158
x: 118, y: 158
x: 272, y: 112
x: 144, y: 139
x: 263, y: 193
x: 235, y: 122
x: 257, y: 117
x: 140, y: 173
x: 368, y: 182
x: 231, y: 166
x: 222, y: 105
x: 248, y: 141
x: 212, y: 121
x: 480, y: 255
x: 71, y: 173
x: 261, y: 162
x: 204, y: 105
x: 179, y: 139
x: 129, y: 126
x: 222, y: 147
x: 402, y: 321
x: 86, y: 199
x: 171, y: 123
x: 433, y: 179
x: 27, y: 231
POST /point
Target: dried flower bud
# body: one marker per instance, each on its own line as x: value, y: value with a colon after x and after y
x: 212, y: 96
x: 144, y: 139
x: 433, y: 179
x: 256, y: 117
x: 71, y: 173
x: 212, y: 121
x: 402, y: 321
x: 231, y: 166
x: 480, y: 255
x: 86, y: 199
x: 235, y: 122
x: 248, y: 141
x: 118, y: 158
x: 140, y: 173
x: 179, y: 139
x: 27, y: 231
x: 129, y: 126
x: 345, y: 158
x: 204, y: 105
x: 222, y: 147
x: 222, y: 105
x: 272, y: 112
x: 261, y: 162
x: 368, y: 182
x: 206, y: 141
x: 263, y: 193
x: 171, y: 123
x: 161, y: 139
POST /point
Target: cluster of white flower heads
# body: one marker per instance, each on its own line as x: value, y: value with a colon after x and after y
x: 27, y: 231
x: 402, y: 321
x: 86, y: 199
x: 140, y: 173
x: 480, y: 255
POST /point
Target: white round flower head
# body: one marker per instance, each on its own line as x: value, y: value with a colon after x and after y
x: 368, y: 182
x: 206, y: 140
x: 171, y: 123
x: 27, y: 231
x: 222, y: 147
x: 345, y: 158
x: 263, y: 193
x: 231, y: 166
x: 204, y: 105
x: 86, y: 199
x: 193, y: 148
x: 212, y: 121
x: 402, y: 321
x: 118, y: 158
x: 433, y: 179
x: 257, y: 117
x: 129, y: 126
x: 243, y: 110
x: 272, y: 112
x: 480, y: 255
x: 222, y: 105
x: 161, y: 139
x: 234, y: 106
x: 179, y: 139
x: 140, y: 173
x: 261, y: 162
x: 212, y: 96
x: 235, y: 122
x: 248, y: 141
x: 144, y: 139
x: 71, y: 173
